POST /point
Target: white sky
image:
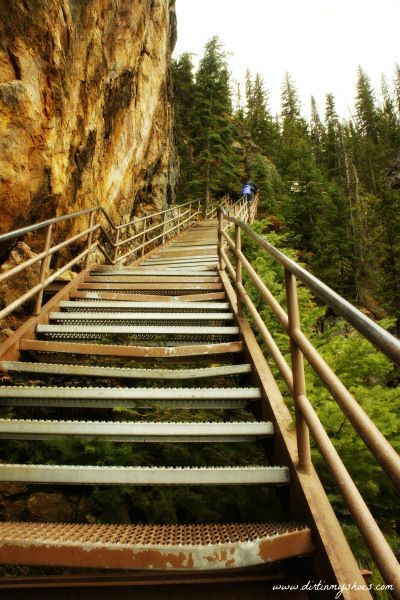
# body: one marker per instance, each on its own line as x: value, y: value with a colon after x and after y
x: 320, y: 42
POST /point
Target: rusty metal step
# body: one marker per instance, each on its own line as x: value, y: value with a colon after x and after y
x: 170, y: 352
x: 143, y: 431
x: 166, y: 547
x: 154, y: 476
x: 148, y: 272
x: 154, y: 287
x: 126, y: 296
x: 125, y: 373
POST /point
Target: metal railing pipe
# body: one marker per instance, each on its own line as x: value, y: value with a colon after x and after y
x: 374, y: 538
x: 299, y: 380
x: 379, y: 337
x: 383, y: 451
x: 36, y: 227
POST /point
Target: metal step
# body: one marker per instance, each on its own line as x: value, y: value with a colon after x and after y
x: 160, y: 278
x: 158, y: 331
x: 170, y: 352
x: 160, y: 394
x: 199, y: 547
x: 181, y: 261
x: 143, y: 306
x: 148, y: 432
x: 142, y: 297
x: 150, y: 272
x: 130, y: 316
x: 153, y: 287
x: 126, y: 373
x: 155, y: 476
x: 111, y: 403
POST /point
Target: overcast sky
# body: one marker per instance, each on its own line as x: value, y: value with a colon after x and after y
x: 320, y: 42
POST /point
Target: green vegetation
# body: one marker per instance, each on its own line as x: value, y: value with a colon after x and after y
x: 327, y: 199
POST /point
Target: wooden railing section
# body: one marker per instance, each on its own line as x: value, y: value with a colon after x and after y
x: 306, y: 418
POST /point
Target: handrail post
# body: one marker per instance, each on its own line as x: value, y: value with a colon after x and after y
x: 144, y: 234
x: 238, y: 277
x: 44, y: 264
x: 89, y: 240
x: 179, y: 217
x: 116, y: 247
x: 220, y: 230
x: 299, y: 381
x: 164, y: 220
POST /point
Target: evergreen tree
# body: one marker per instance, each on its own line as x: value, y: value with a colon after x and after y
x: 212, y: 127
x: 366, y: 112
x: 332, y: 138
x: 389, y: 129
x: 397, y: 88
x: 259, y: 121
x: 316, y: 132
x: 183, y: 84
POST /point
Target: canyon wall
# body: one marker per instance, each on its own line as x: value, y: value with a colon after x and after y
x: 85, y: 107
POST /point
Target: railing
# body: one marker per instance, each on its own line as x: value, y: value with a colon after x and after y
x: 307, y: 420
x: 147, y: 232
x: 242, y: 209
x: 151, y: 233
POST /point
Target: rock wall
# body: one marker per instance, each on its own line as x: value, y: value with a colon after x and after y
x: 85, y: 107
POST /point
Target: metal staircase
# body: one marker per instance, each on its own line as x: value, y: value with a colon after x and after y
x: 165, y: 335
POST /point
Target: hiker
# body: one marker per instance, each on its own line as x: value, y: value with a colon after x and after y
x: 247, y: 192
x: 253, y: 187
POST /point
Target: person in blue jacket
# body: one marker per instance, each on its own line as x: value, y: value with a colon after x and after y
x: 248, y: 190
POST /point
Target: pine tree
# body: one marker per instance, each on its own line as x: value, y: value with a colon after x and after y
x: 316, y: 132
x: 183, y: 84
x: 397, y: 88
x: 366, y: 112
x: 259, y: 121
x: 389, y: 128
x: 212, y: 127
x: 332, y: 138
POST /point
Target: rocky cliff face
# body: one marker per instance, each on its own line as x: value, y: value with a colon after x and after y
x: 85, y: 107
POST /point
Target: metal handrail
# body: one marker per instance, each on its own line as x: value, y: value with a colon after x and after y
x: 307, y: 420
x: 183, y: 215
x: 36, y: 227
x: 379, y: 337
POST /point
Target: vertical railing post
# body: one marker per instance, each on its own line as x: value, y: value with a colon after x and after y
x: 144, y: 234
x: 299, y: 381
x: 116, y: 248
x: 89, y: 240
x: 238, y: 277
x: 164, y: 220
x: 179, y: 217
x: 220, y: 239
x: 44, y: 264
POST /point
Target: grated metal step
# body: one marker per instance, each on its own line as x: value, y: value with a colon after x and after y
x: 148, y: 330
x: 188, y: 432
x: 88, y: 371
x: 93, y: 393
x: 155, y: 476
x: 168, y: 351
x: 165, y: 547
x: 169, y: 306
x: 129, y: 316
